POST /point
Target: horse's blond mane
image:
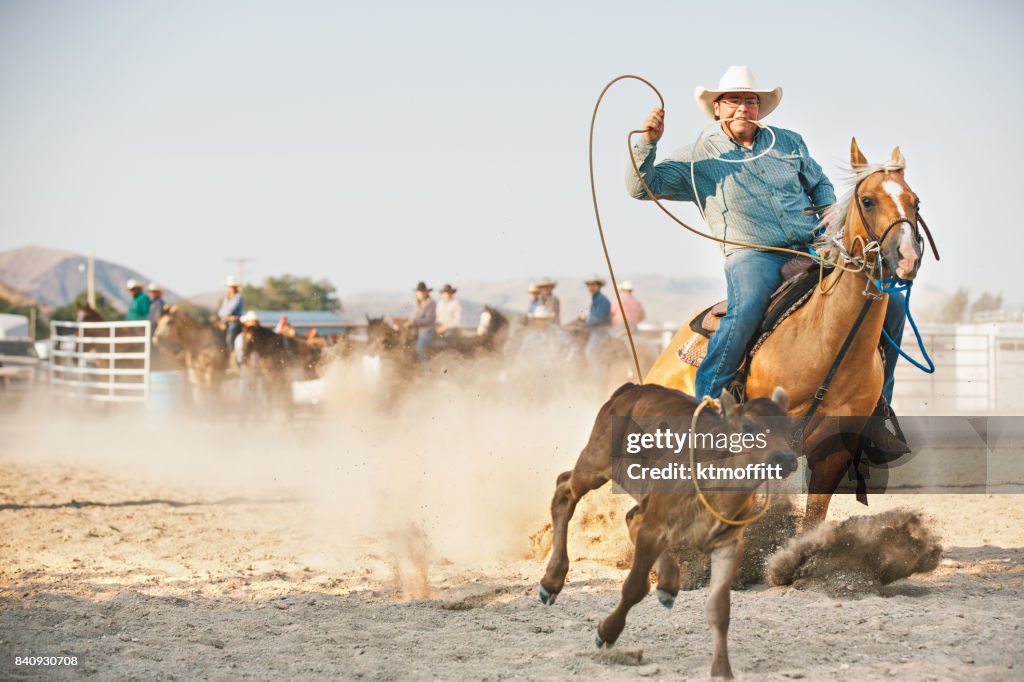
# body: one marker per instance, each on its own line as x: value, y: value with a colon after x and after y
x: 836, y: 215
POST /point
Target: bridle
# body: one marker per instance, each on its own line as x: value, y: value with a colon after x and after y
x: 876, y: 240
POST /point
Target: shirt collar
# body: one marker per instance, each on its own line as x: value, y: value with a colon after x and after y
x: 724, y: 143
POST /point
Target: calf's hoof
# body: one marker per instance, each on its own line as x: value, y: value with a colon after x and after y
x: 547, y: 597
x: 667, y: 600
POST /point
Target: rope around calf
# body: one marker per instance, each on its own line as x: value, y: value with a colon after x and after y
x: 716, y: 405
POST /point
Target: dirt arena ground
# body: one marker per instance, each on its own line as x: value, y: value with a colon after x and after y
x: 143, y: 572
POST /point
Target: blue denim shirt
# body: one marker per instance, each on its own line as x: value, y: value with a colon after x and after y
x: 760, y: 202
x: 600, y: 311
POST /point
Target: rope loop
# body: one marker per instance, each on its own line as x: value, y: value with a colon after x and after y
x: 716, y: 405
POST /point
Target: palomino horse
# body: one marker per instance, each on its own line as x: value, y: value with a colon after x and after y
x: 878, y: 216
x: 203, y: 349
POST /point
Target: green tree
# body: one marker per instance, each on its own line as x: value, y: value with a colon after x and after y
x: 955, y: 307
x: 291, y: 293
x: 103, y: 307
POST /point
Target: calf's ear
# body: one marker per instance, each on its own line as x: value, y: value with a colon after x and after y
x: 781, y: 398
x: 728, y: 403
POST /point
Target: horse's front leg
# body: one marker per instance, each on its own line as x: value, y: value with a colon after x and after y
x: 725, y: 561
x: 826, y: 473
x: 650, y: 544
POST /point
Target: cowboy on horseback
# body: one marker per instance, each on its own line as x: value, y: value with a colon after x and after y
x: 763, y: 193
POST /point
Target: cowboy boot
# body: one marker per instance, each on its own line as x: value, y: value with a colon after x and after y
x: 889, y: 444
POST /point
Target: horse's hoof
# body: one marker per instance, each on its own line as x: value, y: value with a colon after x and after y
x: 666, y: 599
x: 547, y: 597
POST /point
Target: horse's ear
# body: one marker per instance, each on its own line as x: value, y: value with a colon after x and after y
x: 173, y: 309
x: 728, y: 403
x: 856, y: 157
x: 897, y: 156
x: 781, y: 398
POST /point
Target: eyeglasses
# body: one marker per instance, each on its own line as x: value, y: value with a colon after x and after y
x: 750, y: 102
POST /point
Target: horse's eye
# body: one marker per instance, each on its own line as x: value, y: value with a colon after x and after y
x: 867, y: 202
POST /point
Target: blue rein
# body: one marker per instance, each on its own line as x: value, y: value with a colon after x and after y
x: 891, y: 285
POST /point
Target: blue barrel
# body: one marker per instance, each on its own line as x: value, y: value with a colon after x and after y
x: 166, y: 392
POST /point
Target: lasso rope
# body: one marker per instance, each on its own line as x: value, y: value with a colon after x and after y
x: 716, y: 405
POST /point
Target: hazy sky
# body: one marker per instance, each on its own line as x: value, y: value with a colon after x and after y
x: 377, y: 144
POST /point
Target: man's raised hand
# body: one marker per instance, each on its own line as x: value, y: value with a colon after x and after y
x: 654, y: 125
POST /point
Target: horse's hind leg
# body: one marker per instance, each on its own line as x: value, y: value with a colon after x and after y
x: 650, y: 544
x: 570, y: 487
x: 725, y: 561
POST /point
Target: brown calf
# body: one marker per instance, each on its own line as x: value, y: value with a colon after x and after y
x: 662, y: 520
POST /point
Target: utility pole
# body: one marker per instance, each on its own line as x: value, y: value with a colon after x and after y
x: 240, y: 267
x: 90, y: 286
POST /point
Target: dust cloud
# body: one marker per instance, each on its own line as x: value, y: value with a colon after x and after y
x: 859, y: 554
x: 457, y: 467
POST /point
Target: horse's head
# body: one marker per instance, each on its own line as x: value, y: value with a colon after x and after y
x: 883, y: 209
x: 86, y: 313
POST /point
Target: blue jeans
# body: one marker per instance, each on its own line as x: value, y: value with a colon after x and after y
x: 751, y: 278
x: 423, y: 339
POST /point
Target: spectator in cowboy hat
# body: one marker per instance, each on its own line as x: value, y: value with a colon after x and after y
x: 139, y: 308
x: 533, y: 291
x: 632, y: 310
x: 230, y: 311
x: 156, y: 303
x: 548, y: 298
x: 449, y: 311
x: 598, y: 321
x: 423, y: 320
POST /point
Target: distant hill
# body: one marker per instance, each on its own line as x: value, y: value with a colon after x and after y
x: 54, y: 277
x: 19, y: 298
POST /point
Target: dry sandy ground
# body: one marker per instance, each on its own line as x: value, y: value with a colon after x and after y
x: 144, y: 580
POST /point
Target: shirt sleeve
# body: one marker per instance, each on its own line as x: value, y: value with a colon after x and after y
x: 600, y: 311
x: 669, y: 179
x: 814, y: 180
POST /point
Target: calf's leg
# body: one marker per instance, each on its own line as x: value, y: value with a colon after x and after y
x: 570, y: 487
x: 725, y: 561
x: 650, y: 544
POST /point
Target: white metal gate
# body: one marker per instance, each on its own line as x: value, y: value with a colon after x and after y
x: 105, y: 361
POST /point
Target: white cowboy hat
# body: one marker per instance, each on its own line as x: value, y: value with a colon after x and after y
x: 533, y: 289
x: 542, y: 312
x: 737, y: 79
x: 153, y: 286
x: 231, y: 281
x: 547, y: 282
x: 132, y: 284
x: 626, y: 286
x: 249, y: 316
x: 595, y: 279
